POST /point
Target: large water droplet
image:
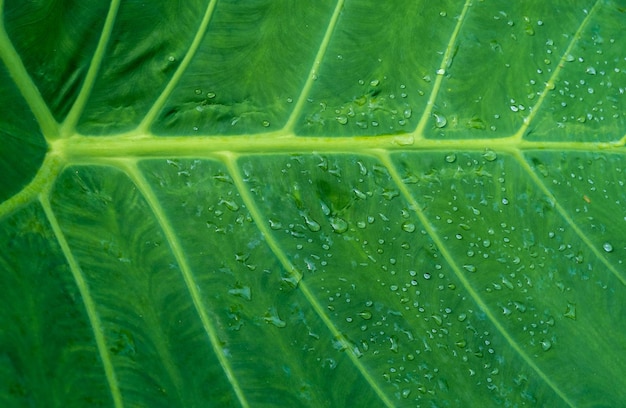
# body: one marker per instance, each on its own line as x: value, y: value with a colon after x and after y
x: 271, y: 316
x: 489, y: 155
x: 339, y: 225
x: 408, y: 226
x: 243, y: 292
x: 440, y: 120
x: 311, y: 224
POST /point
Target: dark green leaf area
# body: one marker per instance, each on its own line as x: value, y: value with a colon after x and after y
x: 60, y: 53
x: 154, y: 338
x: 542, y: 282
x: 48, y: 356
x: 398, y: 303
x: 21, y: 138
x: 264, y: 322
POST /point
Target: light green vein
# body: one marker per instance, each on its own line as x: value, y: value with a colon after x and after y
x: 40, y: 184
x: 230, y: 160
x: 385, y: 158
x: 84, y: 149
x: 90, y: 306
x: 169, y: 88
x: 312, y: 76
x: 192, y: 286
x: 550, y: 85
x: 418, y: 133
x: 542, y: 186
x: 69, y: 124
x: 23, y: 81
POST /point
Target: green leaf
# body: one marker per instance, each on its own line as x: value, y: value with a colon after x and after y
x: 341, y: 203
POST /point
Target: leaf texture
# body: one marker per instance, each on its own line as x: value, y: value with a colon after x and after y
x: 345, y: 203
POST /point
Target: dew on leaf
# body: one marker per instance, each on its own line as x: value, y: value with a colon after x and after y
x: 489, y: 155
x: 546, y: 345
x: 365, y: 315
x: 450, y: 158
x: 339, y: 225
x: 607, y: 247
x: 311, y: 224
x: 408, y: 226
x: 275, y: 225
x: 469, y: 268
x: 271, y: 316
x: 440, y: 120
x: 570, y: 312
x: 342, y: 119
x: 231, y: 205
x: 243, y: 292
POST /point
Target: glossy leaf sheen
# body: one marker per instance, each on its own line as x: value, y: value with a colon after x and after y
x: 342, y: 203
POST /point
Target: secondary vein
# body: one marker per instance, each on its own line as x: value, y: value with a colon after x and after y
x: 230, y: 162
x: 88, y: 301
x: 431, y: 230
x: 190, y: 281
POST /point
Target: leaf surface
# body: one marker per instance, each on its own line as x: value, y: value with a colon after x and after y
x: 346, y: 203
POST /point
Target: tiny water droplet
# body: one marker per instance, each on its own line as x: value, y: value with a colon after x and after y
x: 365, y: 315
x: 571, y: 311
x: 339, y: 225
x: 342, y: 119
x: 489, y: 155
x: 311, y: 224
x: 243, y: 292
x: 607, y: 247
x: 450, y: 158
x: 265, y: 123
x: 440, y: 120
x: 210, y: 95
x: 408, y: 226
x: 271, y: 316
x: 469, y: 268
x: 546, y: 345
x: 275, y: 225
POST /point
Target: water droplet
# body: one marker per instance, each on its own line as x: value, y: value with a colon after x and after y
x: 365, y: 315
x: 231, y: 205
x: 607, y: 247
x: 469, y: 268
x: 461, y: 343
x: 342, y: 119
x: 571, y: 311
x: 450, y: 158
x: 275, y: 225
x: 197, y: 91
x: 590, y: 70
x: 311, y: 224
x: 243, y: 292
x: 546, y: 345
x: 339, y: 225
x: 408, y: 226
x: 440, y: 120
x: 394, y: 344
x: 210, y: 95
x: 271, y: 316
x: 489, y: 155
x: 265, y: 123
